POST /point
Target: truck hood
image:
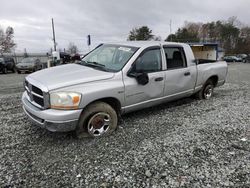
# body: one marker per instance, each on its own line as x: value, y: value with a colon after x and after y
x: 67, y: 75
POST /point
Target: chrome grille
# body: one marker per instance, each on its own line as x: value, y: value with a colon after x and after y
x: 36, y: 95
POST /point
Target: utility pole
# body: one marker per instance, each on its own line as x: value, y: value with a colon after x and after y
x: 89, y: 41
x: 15, y: 55
x: 54, y: 36
x: 170, y: 27
x: 25, y: 53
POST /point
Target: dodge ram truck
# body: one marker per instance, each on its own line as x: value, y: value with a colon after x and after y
x: 113, y: 79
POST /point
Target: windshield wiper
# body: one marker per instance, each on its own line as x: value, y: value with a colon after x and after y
x: 81, y: 62
x: 95, y: 63
x: 91, y: 64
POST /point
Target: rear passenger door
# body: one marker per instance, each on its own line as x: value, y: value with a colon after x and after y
x: 180, y: 78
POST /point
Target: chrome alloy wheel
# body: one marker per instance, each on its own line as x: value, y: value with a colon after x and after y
x: 208, y: 92
x: 99, y: 124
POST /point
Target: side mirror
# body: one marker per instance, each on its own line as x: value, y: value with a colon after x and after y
x: 141, y: 78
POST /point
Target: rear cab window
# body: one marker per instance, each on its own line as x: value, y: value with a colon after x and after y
x: 175, y: 57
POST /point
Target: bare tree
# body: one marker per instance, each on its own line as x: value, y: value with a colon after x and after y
x: 6, y: 40
x: 193, y: 27
x: 72, y: 48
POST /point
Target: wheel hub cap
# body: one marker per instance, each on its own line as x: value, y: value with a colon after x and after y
x: 208, y: 92
x: 99, y: 124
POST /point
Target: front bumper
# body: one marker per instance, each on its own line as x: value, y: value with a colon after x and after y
x: 51, y: 119
x: 24, y: 68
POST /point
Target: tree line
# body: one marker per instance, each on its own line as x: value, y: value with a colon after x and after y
x: 231, y: 35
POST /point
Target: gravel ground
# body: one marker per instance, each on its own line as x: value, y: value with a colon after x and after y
x: 187, y: 143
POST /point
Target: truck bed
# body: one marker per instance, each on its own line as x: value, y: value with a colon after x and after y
x: 208, y: 69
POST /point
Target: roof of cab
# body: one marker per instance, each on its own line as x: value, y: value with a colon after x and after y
x: 144, y: 43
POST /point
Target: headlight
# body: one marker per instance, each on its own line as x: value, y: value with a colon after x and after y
x: 65, y: 100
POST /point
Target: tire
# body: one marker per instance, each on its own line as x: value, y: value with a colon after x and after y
x: 207, y: 91
x: 13, y: 70
x: 5, y: 70
x: 97, y: 120
x: 19, y: 72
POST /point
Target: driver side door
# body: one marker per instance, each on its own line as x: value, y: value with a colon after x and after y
x: 139, y: 95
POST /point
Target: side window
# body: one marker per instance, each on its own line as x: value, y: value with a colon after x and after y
x: 149, y: 61
x: 175, y: 57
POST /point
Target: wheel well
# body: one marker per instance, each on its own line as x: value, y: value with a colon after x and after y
x: 214, y: 79
x: 113, y: 102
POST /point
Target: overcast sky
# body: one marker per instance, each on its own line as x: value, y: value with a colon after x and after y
x: 106, y: 20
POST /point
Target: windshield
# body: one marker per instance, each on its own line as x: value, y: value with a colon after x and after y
x: 109, y: 57
x: 27, y: 60
x: 1, y: 59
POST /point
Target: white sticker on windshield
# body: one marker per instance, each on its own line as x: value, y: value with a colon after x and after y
x: 124, y: 49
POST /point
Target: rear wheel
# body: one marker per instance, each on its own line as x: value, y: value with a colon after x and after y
x: 207, y: 91
x: 5, y: 70
x: 98, y: 119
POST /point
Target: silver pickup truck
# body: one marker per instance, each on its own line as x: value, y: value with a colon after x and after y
x: 115, y: 79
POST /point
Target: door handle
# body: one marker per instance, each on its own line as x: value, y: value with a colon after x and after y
x: 187, y: 73
x: 159, y: 79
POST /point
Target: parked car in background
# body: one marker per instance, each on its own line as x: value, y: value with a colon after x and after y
x: 29, y: 64
x: 247, y: 59
x: 242, y: 57
x: 75, y: 57
x: 232, y: 59
x: 7, y: 64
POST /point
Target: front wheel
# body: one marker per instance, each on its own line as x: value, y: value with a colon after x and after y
x: 98, y: 119
x: 207, y: 91
x: 5, y: 70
